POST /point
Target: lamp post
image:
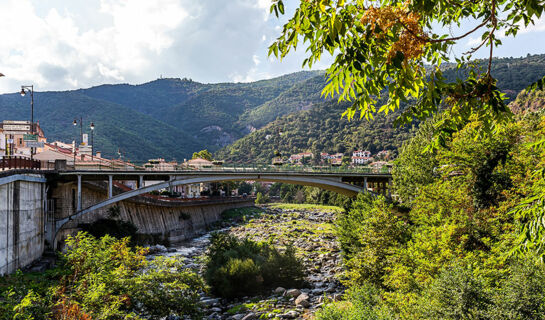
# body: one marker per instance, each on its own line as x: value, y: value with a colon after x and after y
x: 24, y: 90
x: 75, y: 123
x: 92, y: 142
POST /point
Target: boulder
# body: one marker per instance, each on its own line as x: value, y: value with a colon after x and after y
x: 302, y: 300
x: 293, y: 293
x: 279, y: 290
x: 250, y: 316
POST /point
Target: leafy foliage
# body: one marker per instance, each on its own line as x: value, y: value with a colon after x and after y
x: 467, y: 240
x: 203, y: 154
x: 381, y: 50
x: 236, y: 268
x: 104, y: 279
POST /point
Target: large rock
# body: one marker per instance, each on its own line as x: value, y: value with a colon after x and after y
x: 279, y: 290
x: 293, y: 293
x: 302, y: 300
x: 250, y: 316
x: 290, y: 315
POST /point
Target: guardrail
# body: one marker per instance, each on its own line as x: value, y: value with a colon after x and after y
x: 17, y: 162
x: 239, y: 168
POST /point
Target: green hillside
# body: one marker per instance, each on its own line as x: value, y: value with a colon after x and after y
x: 301, y: 96
x: 139, y: 136
x: 321, y: 128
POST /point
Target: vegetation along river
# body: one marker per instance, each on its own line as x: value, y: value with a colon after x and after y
x: 309, y: 229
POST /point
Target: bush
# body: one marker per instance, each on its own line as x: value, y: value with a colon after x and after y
x: 238, y: 267
x: 362, y: 302
x: 115, y: 228
x: 522, y: 294
x: 109, y: 280
x: 368, y: 233
x: 455, y: 294
x: 261, y: 199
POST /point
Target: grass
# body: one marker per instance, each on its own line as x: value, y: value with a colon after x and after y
x: 305, y: 206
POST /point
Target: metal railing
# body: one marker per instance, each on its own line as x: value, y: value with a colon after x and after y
x: 244, y: 168
x: 17, y: 162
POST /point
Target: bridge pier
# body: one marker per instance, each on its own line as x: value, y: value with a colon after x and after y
x: 79, y: 193
x: 365, y: 184
x: 140, y: 182
x: 110, y: 186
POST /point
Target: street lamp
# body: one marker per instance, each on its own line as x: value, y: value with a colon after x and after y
x: 92, y: 142
x: 75, y: 123
x: 24, y: 90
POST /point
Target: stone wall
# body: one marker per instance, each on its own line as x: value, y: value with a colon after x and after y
x: 169, y: 221
x: 22, y: 224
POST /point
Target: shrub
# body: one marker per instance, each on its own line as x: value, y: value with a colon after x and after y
x: 368, y: 233
x: 260, y: 198
x: 238, y: 267
x: 109, y: 280
x: 362, y: 302
x: 455, y: 294
x: 116, y: 228
x: 522, y: 294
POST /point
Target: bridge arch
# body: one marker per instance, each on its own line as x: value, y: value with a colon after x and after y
x: 320, y: 182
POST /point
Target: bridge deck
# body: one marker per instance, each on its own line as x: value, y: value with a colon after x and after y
x: 165, y: 175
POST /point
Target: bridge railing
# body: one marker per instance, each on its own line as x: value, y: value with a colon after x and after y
x: 242, y: 168
x: 18, y: 162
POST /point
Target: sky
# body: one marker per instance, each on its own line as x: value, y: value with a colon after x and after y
x: 69, y: 44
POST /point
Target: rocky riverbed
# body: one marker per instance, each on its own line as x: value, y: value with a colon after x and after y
x: 311, y: 232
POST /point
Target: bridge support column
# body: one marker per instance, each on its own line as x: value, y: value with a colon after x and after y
x: 170, y: 187
x: 365, y: 184
x: 110, y: 186
x: 140, y: 182
x: 79, y: 194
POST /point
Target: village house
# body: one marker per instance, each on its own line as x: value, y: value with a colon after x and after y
x: 384, y: 155
x: 160, y: 165
x: 298, y: 158
x: 360, y: 157
x: 361, y: 153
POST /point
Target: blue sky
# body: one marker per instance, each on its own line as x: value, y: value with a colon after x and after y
x: 70, y: 44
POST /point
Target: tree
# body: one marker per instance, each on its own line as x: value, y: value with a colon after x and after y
x: 244, y: 188
x: 391, y: 51
x: 414, y: 168
x: 203, y: 154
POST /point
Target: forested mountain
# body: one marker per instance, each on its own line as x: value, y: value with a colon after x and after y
x: 169, y: 118
x: 301, y: 96
x: 321, y: 129
x: 138, y: 136
x: 172, y: 118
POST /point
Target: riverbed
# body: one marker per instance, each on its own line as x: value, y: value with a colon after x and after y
x: 310, y: 231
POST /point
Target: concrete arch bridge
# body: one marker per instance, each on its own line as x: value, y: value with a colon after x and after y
x: 347, y: 183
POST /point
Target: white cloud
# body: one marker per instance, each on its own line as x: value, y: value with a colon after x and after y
x: 60, y: 45
x: 33, y: 44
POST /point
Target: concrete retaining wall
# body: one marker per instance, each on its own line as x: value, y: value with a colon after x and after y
x: 171, y: 221
x: 22, y: 222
